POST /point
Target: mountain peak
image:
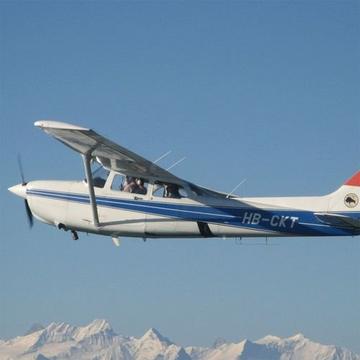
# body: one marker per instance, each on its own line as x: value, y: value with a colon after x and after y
x: 99, y: 325
x: 154, y: 335
x: 298, y: 337
x: 269, y: 339
x: 59, y: 327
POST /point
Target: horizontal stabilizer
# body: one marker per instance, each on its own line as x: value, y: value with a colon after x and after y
x: 338, y: 220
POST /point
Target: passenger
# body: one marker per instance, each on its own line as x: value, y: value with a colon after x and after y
x: 130, y: 186
x: 125, y: 183
x: 140, y: 188
x: 172, y: 191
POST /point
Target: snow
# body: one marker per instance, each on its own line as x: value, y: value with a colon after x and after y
x: 268, y: 339
x: 154, y: 335
x: 98, y: 341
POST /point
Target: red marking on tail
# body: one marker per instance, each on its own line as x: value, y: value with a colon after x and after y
x: 354, y: 180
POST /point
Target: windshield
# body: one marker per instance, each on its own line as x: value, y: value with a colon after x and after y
x: 99, y: 175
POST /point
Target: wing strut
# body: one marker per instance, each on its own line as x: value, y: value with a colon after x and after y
x: 86, y: 159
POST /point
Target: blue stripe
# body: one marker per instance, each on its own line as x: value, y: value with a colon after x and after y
x: 307, y: 225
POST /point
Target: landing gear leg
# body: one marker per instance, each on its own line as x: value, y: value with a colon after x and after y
x: 74, y: 235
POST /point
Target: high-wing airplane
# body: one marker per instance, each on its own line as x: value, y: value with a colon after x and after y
x: 128, y: 195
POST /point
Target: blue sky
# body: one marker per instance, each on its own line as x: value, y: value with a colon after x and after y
x: 267, y: 91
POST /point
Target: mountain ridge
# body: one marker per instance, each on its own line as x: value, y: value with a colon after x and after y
x: 98, y: 341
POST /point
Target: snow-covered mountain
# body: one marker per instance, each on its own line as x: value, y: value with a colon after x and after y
x: 98, y: 341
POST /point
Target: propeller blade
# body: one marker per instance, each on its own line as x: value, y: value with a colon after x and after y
x: 23, y: 182
x: 29, y: 214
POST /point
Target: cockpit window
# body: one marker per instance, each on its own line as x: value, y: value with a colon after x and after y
x: 99, y: 175
x: 130, y: 184
x: 168, y: 190
x: 117, y: 183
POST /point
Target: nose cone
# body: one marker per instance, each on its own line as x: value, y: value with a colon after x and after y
x: 19, y: 190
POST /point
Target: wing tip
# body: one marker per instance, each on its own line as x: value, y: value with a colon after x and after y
x: 50, y: 124
x: 354, y: 180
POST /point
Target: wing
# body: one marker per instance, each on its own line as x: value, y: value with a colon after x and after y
x: 338, y: 220
x: 109, y: 154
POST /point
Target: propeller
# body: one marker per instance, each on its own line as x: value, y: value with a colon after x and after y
x: 29, y: 214
x: 23, y: 182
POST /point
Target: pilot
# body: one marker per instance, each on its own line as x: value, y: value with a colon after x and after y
x: 140, y: 188
x: 172, y: 191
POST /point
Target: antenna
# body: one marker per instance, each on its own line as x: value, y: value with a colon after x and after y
x: 240, y: 183
x: 162, y: 156
x: 176, y: 163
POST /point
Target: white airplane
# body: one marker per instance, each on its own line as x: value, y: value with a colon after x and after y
x: 130, y: 196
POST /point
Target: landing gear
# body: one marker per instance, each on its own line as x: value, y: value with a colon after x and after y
x: 74, y: 235
x: 62, y: 226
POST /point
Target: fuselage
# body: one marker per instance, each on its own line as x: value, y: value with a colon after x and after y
x: 67, y: 204
x: 128, y: 195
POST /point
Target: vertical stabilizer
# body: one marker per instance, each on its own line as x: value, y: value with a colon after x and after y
x: 346, y: 198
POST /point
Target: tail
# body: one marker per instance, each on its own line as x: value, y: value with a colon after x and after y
x: 346, y: 198
x: 344, y: 206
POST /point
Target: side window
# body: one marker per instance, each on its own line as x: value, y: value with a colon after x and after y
x: 183, y: 192
x: 129, y: 184
x: 117, y: 183
x: 158, y: 189
x: 168, y: 190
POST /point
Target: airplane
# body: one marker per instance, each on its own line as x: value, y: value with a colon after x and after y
x: 127, y: 195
